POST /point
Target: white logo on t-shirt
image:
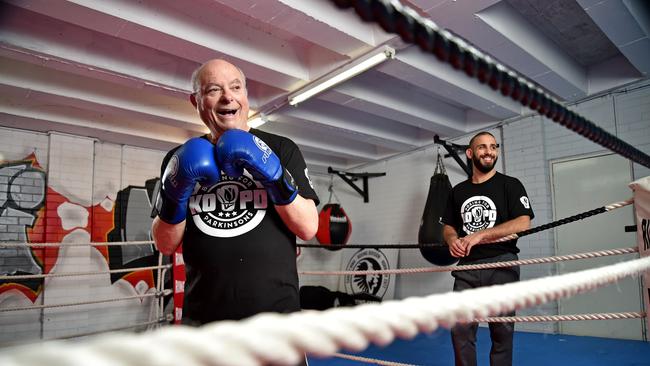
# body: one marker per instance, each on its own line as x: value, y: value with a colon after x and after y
x: 230, y: 207
x: 524, y: 201
x: 479, y: 213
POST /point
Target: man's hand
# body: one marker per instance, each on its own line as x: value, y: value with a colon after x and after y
x: 238, y: 149
x: 470, y: 241
x: 457, y: 248
x: 193, y: 162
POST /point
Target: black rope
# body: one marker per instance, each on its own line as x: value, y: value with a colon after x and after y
x: 374, y: 246
x: 550, y: 225
x: 394, y: 17
x: 566, y: 220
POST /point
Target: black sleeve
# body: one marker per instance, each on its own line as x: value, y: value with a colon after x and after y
x: 291, y: 158
x: 155, y: 210
x: 166, y: 160
x: 518, y: 202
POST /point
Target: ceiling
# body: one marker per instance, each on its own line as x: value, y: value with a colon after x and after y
x: 119, y: 70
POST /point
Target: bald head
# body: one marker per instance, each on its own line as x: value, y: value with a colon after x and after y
x: 211, y: 65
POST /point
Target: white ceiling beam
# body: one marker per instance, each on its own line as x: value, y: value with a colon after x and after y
x: 562, y: 75
x: 156, y: 25
x: 284, y: 16
x: 371, y: 88
x: 30, y: 124
x: 93, y: 124
x: 321, y: 128
x: 611, y: 74
x: 450, y: 84
x: 346, y: 21
x: 76, y: 91
x: 354, y: 123
x: 90, y: 53
x: 324, y: 144
x: 627, y: 24
x: 426, y: 127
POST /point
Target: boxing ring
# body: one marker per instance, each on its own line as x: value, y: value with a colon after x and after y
x: 284, y: 339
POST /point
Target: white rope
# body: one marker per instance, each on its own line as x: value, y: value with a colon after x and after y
x: 561, y: 318
x: 69, y: 274
x: 76, y: 244
x: 467, y: 267
x: 162, y: 294
x: 284, y: 339
x: 370, y: 360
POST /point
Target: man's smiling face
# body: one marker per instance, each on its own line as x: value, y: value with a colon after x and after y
x: 222, y: 98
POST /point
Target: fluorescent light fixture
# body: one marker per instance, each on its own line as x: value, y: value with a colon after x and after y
x: 258, y: 120
x: 364, y: 63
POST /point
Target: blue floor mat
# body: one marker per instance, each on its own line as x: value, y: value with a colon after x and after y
x: 531, y: 349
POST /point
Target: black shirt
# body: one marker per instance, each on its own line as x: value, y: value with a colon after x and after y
x: 475, y: 207
x: 240, y: 257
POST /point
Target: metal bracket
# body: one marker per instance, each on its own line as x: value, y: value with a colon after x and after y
x: 453, y: 152
x: 349, y: 178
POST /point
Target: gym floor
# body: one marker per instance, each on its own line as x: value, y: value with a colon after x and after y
x: 531, y: 349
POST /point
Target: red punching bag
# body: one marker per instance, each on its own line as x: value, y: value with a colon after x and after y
x: 334, y: 226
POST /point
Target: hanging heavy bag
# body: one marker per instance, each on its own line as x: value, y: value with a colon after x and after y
x: 334, y: 226
x: 430, y: 227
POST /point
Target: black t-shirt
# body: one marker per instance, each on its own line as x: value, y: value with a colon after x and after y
x: 475, y: 207
x: 240, y: 257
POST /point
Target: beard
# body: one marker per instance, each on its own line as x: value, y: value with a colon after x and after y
x: 484, y: 168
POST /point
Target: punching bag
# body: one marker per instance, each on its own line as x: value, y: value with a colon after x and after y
x: 334, y: 226
x: 430, y: 227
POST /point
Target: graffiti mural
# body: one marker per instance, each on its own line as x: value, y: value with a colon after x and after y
x: 22, y: 195
x: 132, y: 217
x: 32, y: 212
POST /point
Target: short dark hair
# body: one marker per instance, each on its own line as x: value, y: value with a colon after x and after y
x: 471, y: 142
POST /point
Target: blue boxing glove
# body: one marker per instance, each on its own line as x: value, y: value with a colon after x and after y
x: 238, y: 149
x: 192, y: 163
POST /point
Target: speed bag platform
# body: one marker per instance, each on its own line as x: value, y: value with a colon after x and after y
x: 431, y: 227
x: 334, y: 226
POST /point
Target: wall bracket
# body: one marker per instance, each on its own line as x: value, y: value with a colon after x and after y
x: 453, y: 150
x: 349, y: 178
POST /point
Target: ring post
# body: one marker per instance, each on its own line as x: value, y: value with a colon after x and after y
x: 641, y: 188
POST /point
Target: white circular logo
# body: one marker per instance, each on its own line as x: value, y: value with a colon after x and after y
x: 373, y: 284
x: 232, y: 207
x: 479, y: 213
x: 266, y: 150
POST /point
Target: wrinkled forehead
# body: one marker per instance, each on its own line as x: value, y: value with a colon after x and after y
x: 220, y: 73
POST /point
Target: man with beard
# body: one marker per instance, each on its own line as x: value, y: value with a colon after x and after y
x: 486, y: 207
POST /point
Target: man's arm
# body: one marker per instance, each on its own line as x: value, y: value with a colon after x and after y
x: 190, y: 164
x: 515, y: 225
x: 300, y: 216
x: 450, y: 235
x: 167, y: 237
x: 238, y: 150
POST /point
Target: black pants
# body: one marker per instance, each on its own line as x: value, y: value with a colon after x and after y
x: 463, y: 336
